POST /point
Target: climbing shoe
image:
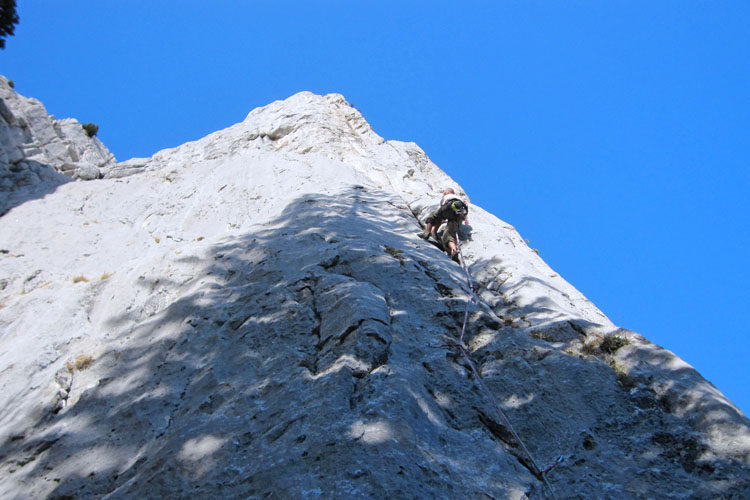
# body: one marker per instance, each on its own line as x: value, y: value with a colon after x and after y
x: 423, y: 236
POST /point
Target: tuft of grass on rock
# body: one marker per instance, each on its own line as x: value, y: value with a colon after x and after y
x: 394, y: 252
x: 611, y: 343
x: 105, y: 276
x: 622, y: 376
x: 80, y: 363
x: 80, y: 278
x: 541, y: 335
x: 11, y: 84
x: 591, y: 348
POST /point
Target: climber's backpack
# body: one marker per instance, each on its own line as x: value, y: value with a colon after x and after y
x: 454, y: 209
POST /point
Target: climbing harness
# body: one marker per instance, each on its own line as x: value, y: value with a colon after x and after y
x: 542, y: 473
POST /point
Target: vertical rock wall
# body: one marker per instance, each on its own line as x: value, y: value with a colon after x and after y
x: 251, y: 315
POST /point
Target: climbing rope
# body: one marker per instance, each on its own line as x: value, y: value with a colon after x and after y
x: 542, y: 473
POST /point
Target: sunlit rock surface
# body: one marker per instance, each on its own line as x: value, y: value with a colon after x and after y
x: 251, y: 315
x: 38, y: 152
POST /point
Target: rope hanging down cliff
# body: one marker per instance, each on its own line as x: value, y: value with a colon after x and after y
x: 541, y: 473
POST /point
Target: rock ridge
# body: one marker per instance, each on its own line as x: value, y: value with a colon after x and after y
x: 251, y: 315
x: 36, y: 149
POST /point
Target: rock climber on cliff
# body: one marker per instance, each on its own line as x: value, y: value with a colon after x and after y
x: 452, y: 210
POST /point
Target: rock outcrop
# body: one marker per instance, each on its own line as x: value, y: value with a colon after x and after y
x: 38, y: 153
x: 251, y: 315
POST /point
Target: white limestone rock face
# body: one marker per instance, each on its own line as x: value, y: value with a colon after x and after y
x: 251, y: 315
x: 38, y: 153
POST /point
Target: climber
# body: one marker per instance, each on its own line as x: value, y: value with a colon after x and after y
x: 452, y: 210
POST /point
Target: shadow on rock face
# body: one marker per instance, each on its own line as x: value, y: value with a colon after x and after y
x: 290, y: 364
x: 299, y: 362
x: 28, y: 180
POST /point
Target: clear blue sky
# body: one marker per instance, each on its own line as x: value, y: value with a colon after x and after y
x: 613, y: 135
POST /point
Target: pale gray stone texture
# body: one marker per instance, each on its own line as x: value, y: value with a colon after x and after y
x: 251, y: 315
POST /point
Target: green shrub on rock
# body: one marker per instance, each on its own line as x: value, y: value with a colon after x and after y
x: 612, y: 343
x: 90, y: 128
